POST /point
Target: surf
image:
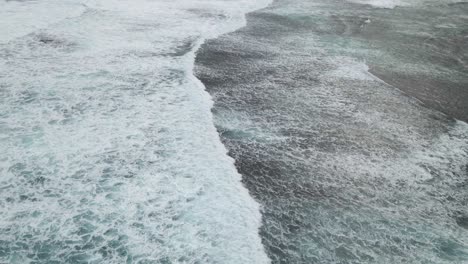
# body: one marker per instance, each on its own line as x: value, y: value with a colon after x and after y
x: 110, y: 154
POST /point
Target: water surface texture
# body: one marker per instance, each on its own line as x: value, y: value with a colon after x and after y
x: 348, y: 168
x: 108, y: 149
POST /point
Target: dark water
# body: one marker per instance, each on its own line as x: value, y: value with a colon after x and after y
x: 348, y: 168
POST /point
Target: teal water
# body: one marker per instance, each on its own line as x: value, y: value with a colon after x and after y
x: 108, y: 152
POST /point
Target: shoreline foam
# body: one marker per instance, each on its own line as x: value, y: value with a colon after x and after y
x: 111, y: 154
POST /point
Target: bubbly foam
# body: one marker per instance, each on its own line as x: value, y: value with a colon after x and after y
x: 395, y: 3
x: 109, y: 149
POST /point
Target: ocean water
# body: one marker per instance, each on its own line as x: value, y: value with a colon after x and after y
x: 108, y: 149
x: 403, y: 3
x: 344, y: 119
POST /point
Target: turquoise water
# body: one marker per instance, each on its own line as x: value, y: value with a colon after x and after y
x: 108, y: 149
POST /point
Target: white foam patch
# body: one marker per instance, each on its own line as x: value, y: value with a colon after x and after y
x: 109, y: 149
x: 19, y: 18
x: 350, y: 69
x: 394, y: 3
x: 382, y: 3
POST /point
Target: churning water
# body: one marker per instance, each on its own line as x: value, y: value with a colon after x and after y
x: 108, y: 149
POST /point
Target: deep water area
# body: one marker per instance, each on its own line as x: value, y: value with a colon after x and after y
x: 344, y: 119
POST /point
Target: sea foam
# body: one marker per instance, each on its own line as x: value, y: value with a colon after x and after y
x: 402, y: 3
x: 109, y: 152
